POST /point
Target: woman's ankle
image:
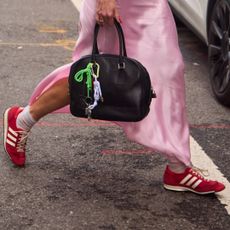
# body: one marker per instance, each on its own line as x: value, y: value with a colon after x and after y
x: 25, y: 120
x: 177, y: 167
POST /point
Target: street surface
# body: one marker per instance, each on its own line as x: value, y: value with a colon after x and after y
x: 87, y: 175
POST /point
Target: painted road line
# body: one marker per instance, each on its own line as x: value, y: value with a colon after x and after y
x: 143, y: 151
x: 51, y: 29
x: 201, y: 160
x: 211, y: 126
x: 82, y: 124
x: 67, y: 44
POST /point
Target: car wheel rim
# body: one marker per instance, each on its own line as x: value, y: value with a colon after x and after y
x: 219, y: 43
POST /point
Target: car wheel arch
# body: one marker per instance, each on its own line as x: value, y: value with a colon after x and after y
x: 211, y: 4
x: 218, y: 55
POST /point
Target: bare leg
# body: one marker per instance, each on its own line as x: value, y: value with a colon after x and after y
x: 54, y: 98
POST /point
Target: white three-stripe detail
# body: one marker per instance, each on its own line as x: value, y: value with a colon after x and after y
x: 196, y: 184
x: 189, y: 180
x: 13, y: 132
x: 10, y: 142
x: 11, y: 137
x: 186, y: 179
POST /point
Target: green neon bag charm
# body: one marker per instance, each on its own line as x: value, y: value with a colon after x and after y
x: 79, y: 76
x: 90, y: 74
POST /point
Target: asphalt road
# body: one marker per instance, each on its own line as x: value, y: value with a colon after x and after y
x: 82, y: 175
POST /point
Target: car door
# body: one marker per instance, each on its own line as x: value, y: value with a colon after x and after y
x: 193, y: 12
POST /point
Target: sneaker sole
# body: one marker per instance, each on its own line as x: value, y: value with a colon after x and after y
x: 5, y: 128
x: 183, y: 189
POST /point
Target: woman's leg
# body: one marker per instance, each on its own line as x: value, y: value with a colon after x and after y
x: 56, y: 97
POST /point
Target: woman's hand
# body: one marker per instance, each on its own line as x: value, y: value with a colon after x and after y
x: 107, y: 10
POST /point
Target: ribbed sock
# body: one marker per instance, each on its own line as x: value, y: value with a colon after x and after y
x: 24, y: 120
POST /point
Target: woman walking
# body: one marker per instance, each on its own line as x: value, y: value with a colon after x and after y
x: 151, y: 38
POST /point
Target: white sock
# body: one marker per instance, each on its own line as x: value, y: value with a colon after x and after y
x: 24, y: 120
x: 177, y: 167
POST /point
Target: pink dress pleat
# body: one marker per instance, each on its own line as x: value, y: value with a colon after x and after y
x: 151, y: 38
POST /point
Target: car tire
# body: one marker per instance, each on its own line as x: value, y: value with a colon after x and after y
x: 219, y: 51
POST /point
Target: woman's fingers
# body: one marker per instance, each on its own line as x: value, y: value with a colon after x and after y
x: 99, y: 20
x: 107, y: 10
x: 99, y: 17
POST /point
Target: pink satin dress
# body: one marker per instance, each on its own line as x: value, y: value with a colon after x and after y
x: 151, y: 38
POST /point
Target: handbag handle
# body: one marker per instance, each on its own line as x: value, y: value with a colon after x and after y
x: 122, y: 47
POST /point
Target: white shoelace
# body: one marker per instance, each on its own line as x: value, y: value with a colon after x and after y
x: 201, y: 173
x: 21, y: 145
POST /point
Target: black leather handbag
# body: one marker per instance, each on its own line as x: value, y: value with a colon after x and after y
x: 110, y: 87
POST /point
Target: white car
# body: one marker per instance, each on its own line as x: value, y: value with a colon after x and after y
x: 210, y: 20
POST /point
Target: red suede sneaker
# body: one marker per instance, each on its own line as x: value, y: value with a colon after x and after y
x: 190, y: 180
x: 14, y: 138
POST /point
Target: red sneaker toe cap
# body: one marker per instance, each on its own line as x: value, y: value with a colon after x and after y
x: 219, y: 187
